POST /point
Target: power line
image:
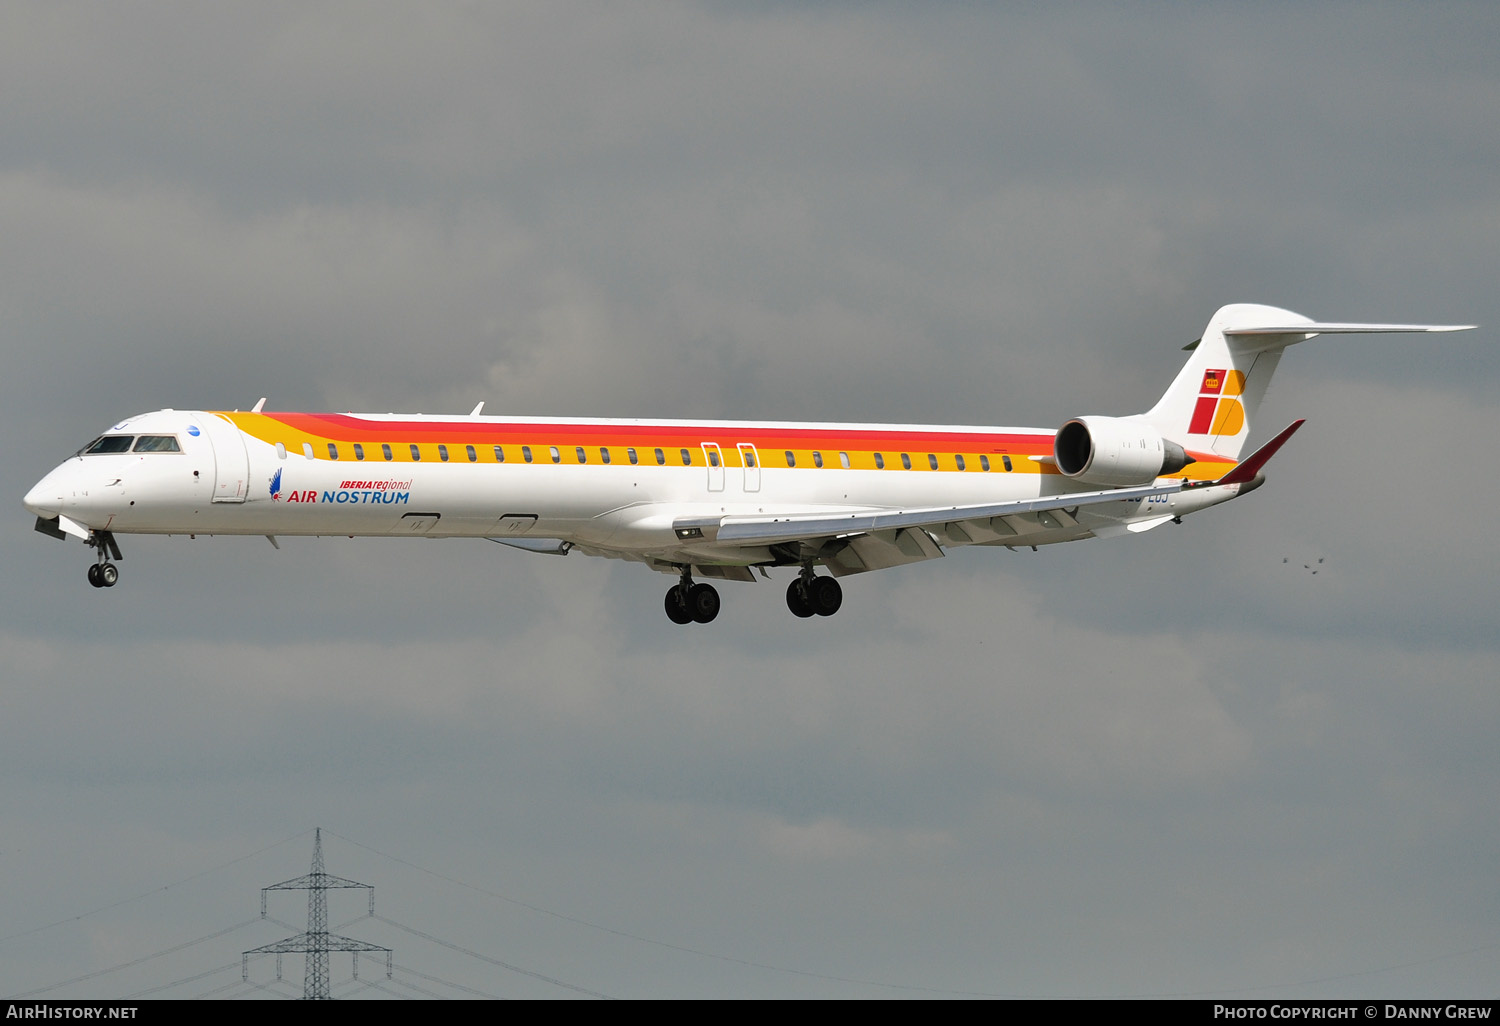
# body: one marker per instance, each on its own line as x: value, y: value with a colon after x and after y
x: 668, y: 945
x: 492, y: 961
x: 135, y: 961
x: 147, y: 894
x: 400, y: 969
x: 187, y: 979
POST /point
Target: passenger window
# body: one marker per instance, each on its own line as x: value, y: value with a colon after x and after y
x: 500, y: 455
x: 749, y: 455
x: 713, y: 457
x: 581, y: 457
x: 359, y: 451
x: 385, y: 449
x: 443, y: 453
x: 333, y: 451
x: 984, y: 462
x: 906, y: 461
x: 157, y: 443
x: 791, y: 460
x: 307, y: 450
x: 1006, y: 461
x: 687, y: 458
x: 960, y: 461
x: 280, y: 451
x: 631, y: 454
x: 932, y: 461
x: 526, y: 453
x: 556, y: 456
x: 416, y: 454
x: 473, y: 456
x: 110, y: 443
x: 844, y: 460
x: 817, y: 459
x: 661, y: 458
x: 603, y: 454
x: 879, y: 462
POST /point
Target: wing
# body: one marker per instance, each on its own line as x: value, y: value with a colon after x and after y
x: 851, y: 543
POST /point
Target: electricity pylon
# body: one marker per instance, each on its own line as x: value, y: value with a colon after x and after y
x: 317, y: 942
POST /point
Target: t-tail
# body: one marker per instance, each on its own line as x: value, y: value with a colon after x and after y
x: 1211, y: 406
x: 1208, y: 412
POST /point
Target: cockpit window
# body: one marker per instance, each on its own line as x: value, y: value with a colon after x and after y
x: 157, y: 443
x: 110, y: 443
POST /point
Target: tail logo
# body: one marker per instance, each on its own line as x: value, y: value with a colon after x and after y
x: 1216, y: 416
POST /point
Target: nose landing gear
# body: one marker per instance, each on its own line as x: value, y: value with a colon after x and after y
x: 103, y: 573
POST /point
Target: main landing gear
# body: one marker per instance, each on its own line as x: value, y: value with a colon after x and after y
x: 104, y: 574
x: 808, y: 595
x: 811, y: 595
x: 688, y: 602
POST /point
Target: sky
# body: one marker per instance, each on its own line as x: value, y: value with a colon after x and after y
x: 1171, y: 764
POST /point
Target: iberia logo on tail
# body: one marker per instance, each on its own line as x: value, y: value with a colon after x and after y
x: 1212, y: 415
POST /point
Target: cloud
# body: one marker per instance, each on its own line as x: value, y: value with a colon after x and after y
x: 1059, y: 772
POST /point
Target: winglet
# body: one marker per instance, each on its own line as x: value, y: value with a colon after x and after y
x: 1250, y: 466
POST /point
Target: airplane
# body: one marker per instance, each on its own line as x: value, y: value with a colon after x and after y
x: 706, y: 499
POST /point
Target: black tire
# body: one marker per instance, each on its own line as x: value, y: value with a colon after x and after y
x: 825, y: 596
x: 796, y: 601
x: 703, y: 602
x: 676, y: 609
x: 108, y: 575
x: 94, y: 575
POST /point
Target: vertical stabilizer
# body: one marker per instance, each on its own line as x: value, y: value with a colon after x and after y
x: 1214, y: 398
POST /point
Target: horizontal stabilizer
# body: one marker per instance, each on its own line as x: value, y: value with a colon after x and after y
x: 1338, y: 328
x: 1262, y: 337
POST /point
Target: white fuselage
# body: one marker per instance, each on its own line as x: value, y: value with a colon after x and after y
x: 296, y: 474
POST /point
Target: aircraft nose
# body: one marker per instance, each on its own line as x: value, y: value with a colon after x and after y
x: 46, y: 497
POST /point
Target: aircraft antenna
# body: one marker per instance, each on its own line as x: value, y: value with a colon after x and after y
x: 317, y: 942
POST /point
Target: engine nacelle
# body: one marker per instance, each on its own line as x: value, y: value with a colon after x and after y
x: 1115, y: 451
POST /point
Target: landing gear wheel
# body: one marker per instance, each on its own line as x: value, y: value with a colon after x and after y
x: 796, y: 599
x: 94, y: 575
x: 824, y: 595
x: 703, y: 602
x: 677, y: 610
x: 108, y: 575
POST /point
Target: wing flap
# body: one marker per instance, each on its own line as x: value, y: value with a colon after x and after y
x: 883, y: 549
